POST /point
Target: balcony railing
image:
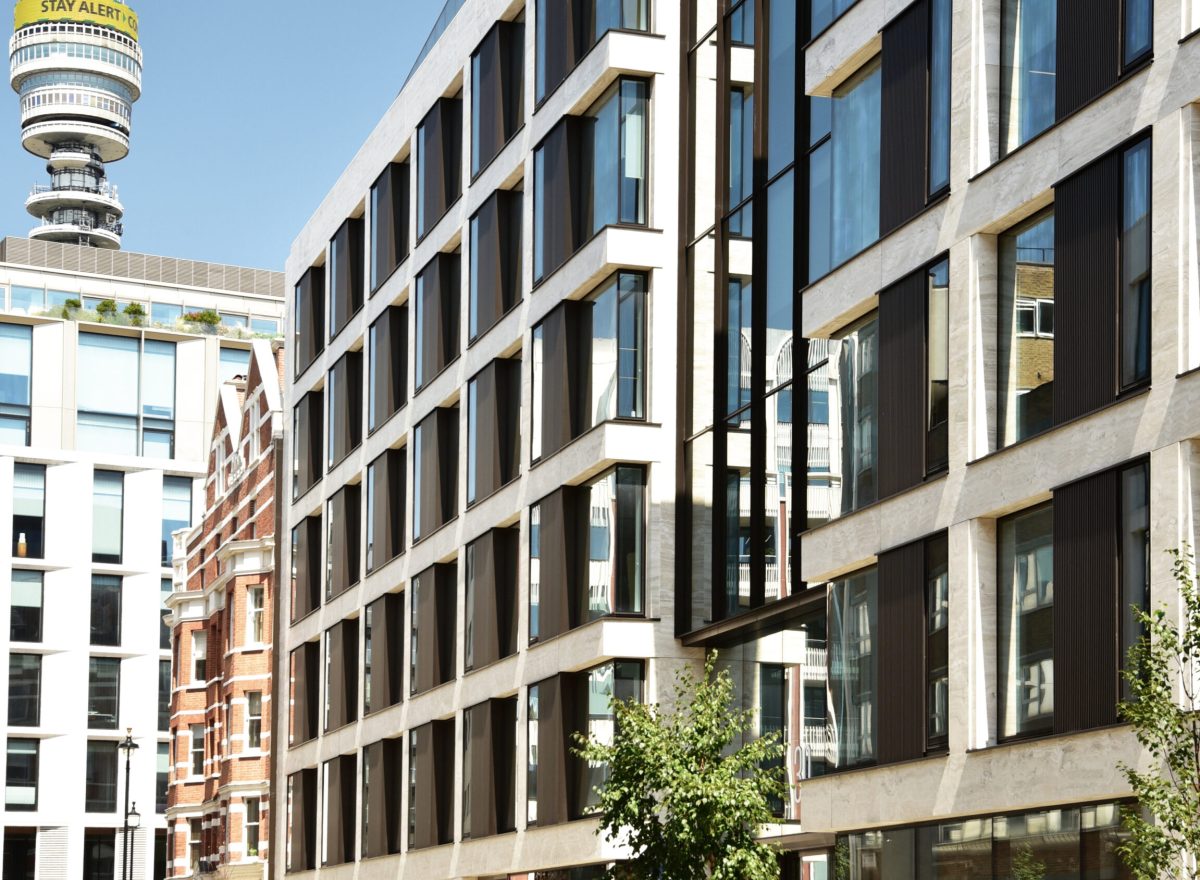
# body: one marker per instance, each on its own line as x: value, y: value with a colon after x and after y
x: 105, y: 189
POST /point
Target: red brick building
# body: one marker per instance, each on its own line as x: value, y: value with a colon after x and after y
x: 220, y: 614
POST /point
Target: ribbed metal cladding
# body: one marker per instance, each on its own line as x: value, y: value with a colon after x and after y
x: 497, y: 442
x: 438, y: 288
x: 904, y: 117
x: 1086, y: 590
x: 433, y: 778
x: 388, y: 650
x: 389, y: 221
x: 501, y: 83
x: 384, y: 774
x: 902, y: 404
x: 346, y: 273
x: 494, y: 596
x: 901, y: 647
x: 306, y: 593
x: 344, y: 545
x: 497, y: 258
x: 552, y: 740
x: 1088, y: 52
x: 566, y: 199
x: 491, y: 769
x: 310, y: 317
x: 1087, y: 228
x: 440, y: 137
x: 566, y: 374
x: 339, y: 809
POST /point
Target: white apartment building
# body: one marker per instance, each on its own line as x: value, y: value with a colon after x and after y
x: 110, y: 370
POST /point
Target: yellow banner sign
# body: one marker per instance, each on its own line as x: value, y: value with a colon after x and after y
x: 108, y: 14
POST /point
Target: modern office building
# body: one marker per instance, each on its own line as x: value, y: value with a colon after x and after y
x: 542, y: 381
x: 77, y: 67
x: 106, y: 416
x: 218, y: 804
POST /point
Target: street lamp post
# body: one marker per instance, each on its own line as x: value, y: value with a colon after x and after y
x: 127, y: 746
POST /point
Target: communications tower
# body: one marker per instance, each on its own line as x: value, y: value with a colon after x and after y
x: 77, y: 67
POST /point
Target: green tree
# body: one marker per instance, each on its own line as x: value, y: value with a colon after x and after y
x: 686, y: 802
x: 1165, y: 839
x: 1027, y: 866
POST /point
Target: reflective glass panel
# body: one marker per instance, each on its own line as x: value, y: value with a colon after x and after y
x: 1026, y: 625
x: 1028, y: 63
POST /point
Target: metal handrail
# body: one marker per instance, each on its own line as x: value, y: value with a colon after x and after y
x: 104, y: 189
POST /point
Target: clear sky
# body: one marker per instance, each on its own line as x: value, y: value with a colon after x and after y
x: 250, y: 111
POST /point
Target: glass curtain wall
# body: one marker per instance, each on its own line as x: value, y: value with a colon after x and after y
x: 741, y: 289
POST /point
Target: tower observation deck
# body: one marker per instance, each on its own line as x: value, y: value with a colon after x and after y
x: 77, y: 67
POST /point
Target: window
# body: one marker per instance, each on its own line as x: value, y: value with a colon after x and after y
x: 495, y: 271
x: 164, y: 695
x: 234, y: 362
x: 438, y: 145
x: 307, y: 539
x: 337, y: 837
x: 29, y: 511
x: 304, y: 683
x: 497, y: 91
x: 853, y: 668
x: 199, y: 655
x: 1137, y: 35
x: 162, y: 778
x: 104, y: 693
x: 1028, y: 62
x: 255, y: 616
x: 937, y: 371
x: 1026, y: 624
x: 491, y: 597
x: 344, y: 391
x: 939, y: 94
x: 1135, y: 261
x: 165, y: 314
x: 21, y: 777
x: 493, y: 430
x: 1134, y: 551
x: 844, y: 171
x: 431, y: 781
x: 590, y: 172
x: 20, y: 844
x: 195, y: 841
x: 937, y: 644
x: 308, y: 338
x: 435, y: 471
x: 438, y: 307
x: 1026, y: 330
x: 382, y: 784
x: 432, y: 650
x: 26, y: 621
x: 561, y: 43
x: 619, y: 348
x: 386, y: 478
x: 253, y: 819
x: 28, y: 300
x: 108, y: 501
x: 196, y: 738
x: 125, y: 395
x: 345, y: 274
x: 106, y: 611
x: 344, y: 547
x: 823, y: 12
x: 741, y: 153
x: 341, y: 674
x: 99, y: 853
x: 389, y: 222
x: 16, y: 383
x: 383, y: 652
x: 307, y: 443
x: 388, y: 366
x: 488, y: 768
x: 100, y: 791
x: 165, y: 588
x: 264, y: 326
x: 254, y: 711
x: 24, y: 690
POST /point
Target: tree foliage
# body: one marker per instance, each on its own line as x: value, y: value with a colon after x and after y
x: 1165, y: 842
x: 679, y: 795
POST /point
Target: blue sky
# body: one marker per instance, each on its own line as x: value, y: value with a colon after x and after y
x: 250, y: 111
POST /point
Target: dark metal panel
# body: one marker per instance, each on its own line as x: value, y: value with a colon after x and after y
x: 566, y: 199
x: 346, y: 262
x: 389, y: 221
x: 566, y: 374
x: 441, y: 157
x: 902, y: 409
x: 1088, y: 52
x: 488, y: 96
x: 375, y: 842
x: 447, y: 459
x: 440, y: 306
x: 904, y: 120
x: 901, y: 647
x: 389, y: 363
x: 434, y: 781
x: 484, y: 629
x: 1087, y: 224
x: 481, y: 811
x: 1086, y: 591
x: 339, y: 818
x: 486, y: 433
x: 344, y: 549
x: 387, y: 651
x: 504, y: 764
x: 552, y: 754
x: 303, y: 851
x: 310, y: 317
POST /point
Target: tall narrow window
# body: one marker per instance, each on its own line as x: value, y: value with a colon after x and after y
x: 100, y: 789
x: 108, y: 502
x: 438, y: 310
x: 853, y: 667
x: 20, y: 844
x: 937, y: 373
x: 164, y: 695
x: 107, y: 394
x: 495, y: 270
x: 254, y: 719
x: 16, y: 383
x: 1026, y: 327
x: 165, y: 588
x: 844, y: 171
x: 255, y: 616
x: 1028, y: 64
x: 1026, y: 624
x: 618, y: 348
x: 1137, y: 31
x: 26, y: 616
x: 937, y: 645
x: 162, y: 777
x: 567, y: 29
x: 345, y: 274
x: 616, y: 541
x: 196, y: 737
x: 104, y: 693
x: 388, y: 366
x: 21, y: 777
x: 1134, y: 551
x: 199, y: 656
x: 939, y: 94
x: 741, y: 155
x: 29, y: 511
x: 158, y: 398
x: 438, y: 146
x: 177, y: 512
x: 781, y: 96
x: 619, y: 154
x: 389, y: 222
x: 497, y: 91
x: 308, y: 339
x: 493, y: 432
x: 252, y: 822
x: 106, y: 610
x: 24, y: 690
x: 345, y: 407
x: 1135, y: 265
x: 386, y: 477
